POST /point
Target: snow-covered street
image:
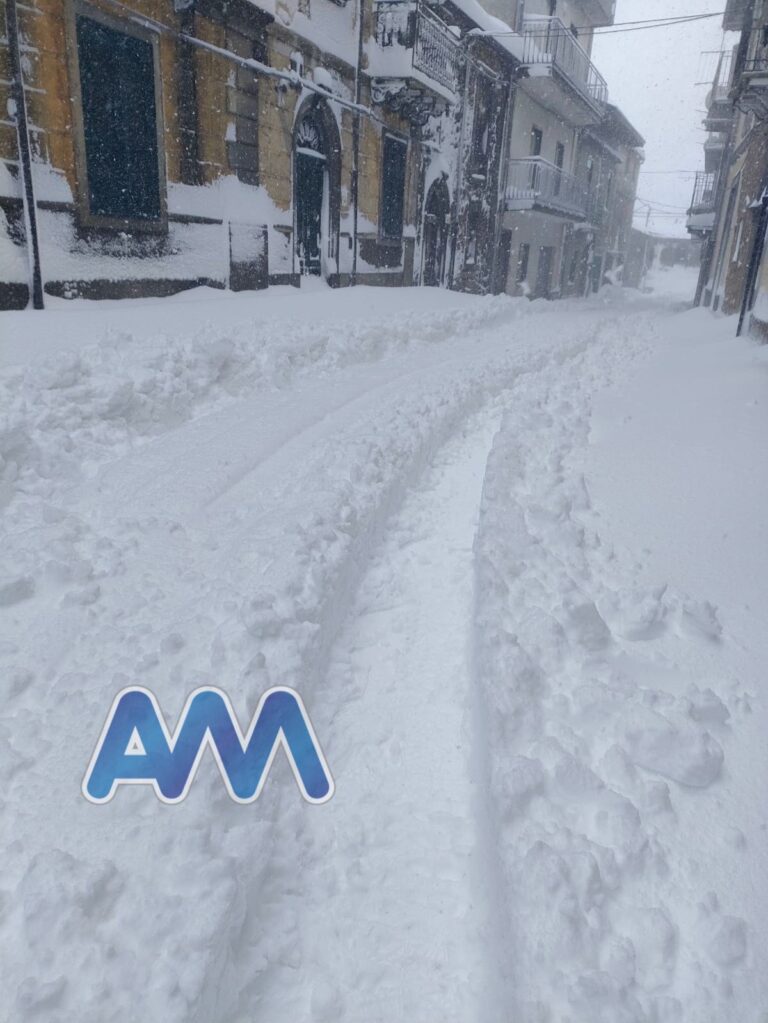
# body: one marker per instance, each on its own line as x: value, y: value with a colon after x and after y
x: 512, y: 555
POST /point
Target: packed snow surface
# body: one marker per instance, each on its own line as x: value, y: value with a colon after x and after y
x: 513, y: 555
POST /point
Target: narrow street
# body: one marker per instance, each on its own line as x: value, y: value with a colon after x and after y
x: 443, y: 527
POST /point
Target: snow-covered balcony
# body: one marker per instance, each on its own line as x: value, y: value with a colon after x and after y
x: 599, y: 12
x: 701, y: 214
x: 561, y: 75
x: 751, y: 91
x: 719, y: 100
x: 537, y: 184
x: 415, y: 59
x: 714, y: 146
x: 733, y: 17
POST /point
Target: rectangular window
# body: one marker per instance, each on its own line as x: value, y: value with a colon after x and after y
x: 481, y: 128
x: 573, y: 268
x: 393, y: 187
x: 590, y: 173
x: 523, y: 256
x: 609, y: 188
x: 473, y: 232
x: 537, y: 139
x: 117, y: 88
x: 559, y: 161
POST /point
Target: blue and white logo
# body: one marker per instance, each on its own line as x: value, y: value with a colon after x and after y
x: 137, y: 748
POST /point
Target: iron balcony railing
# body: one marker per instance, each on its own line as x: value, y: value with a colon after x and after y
x: 546, y: 41
x: 723, y: 80
x: 703, y: 199
x: 756, y: 66
x: 436, y: 50
x: 537, y: 182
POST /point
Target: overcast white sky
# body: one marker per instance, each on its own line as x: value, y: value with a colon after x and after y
x: 652, y: 76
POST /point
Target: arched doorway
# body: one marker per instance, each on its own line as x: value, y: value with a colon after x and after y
x: 316, y: 189
x: 435, y: 246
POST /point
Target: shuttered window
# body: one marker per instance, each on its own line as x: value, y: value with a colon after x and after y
x: 393, y: 187
x: 117, y: 84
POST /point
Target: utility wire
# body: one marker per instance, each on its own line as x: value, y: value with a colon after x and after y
x: 661, y: 205
x: 655, y: 21
x: 662, y: 24
x: 638, y: 26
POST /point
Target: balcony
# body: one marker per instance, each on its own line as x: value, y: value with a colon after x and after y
x: 701, y: 214
x: 751, y: 91
x: 719, y: 102
x: 599, y: 12
x: 560, y: 74
x: 536, y: 184
x: 714, y: 147
x: 416, y: 61
x: 733, y: 19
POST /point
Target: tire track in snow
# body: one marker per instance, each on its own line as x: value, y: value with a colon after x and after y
x: 253, y: 595
x: 394, y: 921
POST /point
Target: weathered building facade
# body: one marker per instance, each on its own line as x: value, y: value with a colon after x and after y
x: 729, y: 207
x: 239, y: 144
x: 157, y: 145
x: 573, y: 158
x: 609, y: 162
x: 562, y: 93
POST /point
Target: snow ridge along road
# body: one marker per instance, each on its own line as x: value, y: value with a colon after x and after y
x: 243, y: 511
x: 611, y: 709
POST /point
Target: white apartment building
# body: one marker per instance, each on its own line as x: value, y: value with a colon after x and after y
x: 560, y: 95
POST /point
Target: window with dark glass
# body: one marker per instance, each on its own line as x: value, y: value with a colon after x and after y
x: 117, y: 84
x: 481, y: 128
x: 537, y: 139
x: 473, y: 233
x: 590, y: 172
x: 609, y: 188
x: 523, y: 256
x: 393, y: 187
x: 559, y: 162
x: 573, y: 268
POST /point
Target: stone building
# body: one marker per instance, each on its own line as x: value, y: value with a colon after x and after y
x: 729, y: 206
x: 157, y: 145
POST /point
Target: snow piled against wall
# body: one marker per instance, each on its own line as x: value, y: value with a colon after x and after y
x: 14, y: 268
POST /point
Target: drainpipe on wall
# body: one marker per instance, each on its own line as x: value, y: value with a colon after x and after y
x: 456, y: 211
x: 25, y: 155
x: 501, y: 204
x: 355, y: 183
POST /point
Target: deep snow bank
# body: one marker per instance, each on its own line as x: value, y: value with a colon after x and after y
x: 612, y: 715
x: 148, y: 573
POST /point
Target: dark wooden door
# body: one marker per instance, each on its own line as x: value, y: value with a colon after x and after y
x: 310, y: 188
x: 544, y: 272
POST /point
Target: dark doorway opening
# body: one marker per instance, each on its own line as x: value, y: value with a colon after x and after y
x: 311, y: 185
x: 436, y: 218
x: 544, y: 272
